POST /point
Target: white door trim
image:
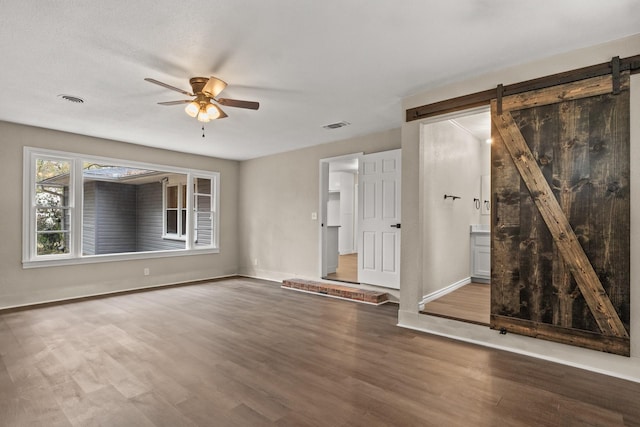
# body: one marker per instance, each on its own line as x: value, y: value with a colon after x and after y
x: 322, y: 205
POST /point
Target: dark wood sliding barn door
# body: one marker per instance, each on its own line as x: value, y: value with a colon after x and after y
x: 561, y: 214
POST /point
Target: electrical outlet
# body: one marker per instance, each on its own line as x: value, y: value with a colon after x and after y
x: 314, y: 216
x: 146, y: 271
x: 255, y: 261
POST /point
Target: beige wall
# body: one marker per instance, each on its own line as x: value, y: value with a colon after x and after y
x: 277, y: 196
x: 416, y: 244
x: 452, y: 163
x: 20, y: 286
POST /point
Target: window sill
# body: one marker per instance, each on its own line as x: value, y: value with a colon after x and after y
x: 93, y: 259
x: 174, y: 237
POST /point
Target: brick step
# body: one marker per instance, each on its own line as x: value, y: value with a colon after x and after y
x: 336, y: 291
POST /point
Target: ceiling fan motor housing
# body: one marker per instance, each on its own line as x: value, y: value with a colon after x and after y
x: 197, y: 84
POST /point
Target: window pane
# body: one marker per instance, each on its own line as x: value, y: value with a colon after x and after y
x: 204, y: 229
x: 96, y: 171
x: 52, y: 219
x: 203, y: 203
x: 184, y: 222
x: 123, y: 209
x: 53, y: 171
x: 172, y: 197
x: 172, y: 222
x: 51, y: 199
x: 203, y: 186
x: 47, y: 195
x: 184, y: 197
x: 52, y: 243
x: 204, y: 221
x: 52, y: 182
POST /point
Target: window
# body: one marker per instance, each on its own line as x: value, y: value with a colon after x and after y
x: 51, y: 207
x: 204, y: 212
x: 87, y: 209
x: 175, y: 211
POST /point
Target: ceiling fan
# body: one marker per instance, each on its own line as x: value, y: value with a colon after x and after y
x: 205, y: 91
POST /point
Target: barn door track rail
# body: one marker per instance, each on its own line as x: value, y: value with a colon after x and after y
x: 616, y: 67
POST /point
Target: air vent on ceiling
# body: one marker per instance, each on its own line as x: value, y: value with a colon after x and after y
x: 71, y: 98
x: 336, y: 125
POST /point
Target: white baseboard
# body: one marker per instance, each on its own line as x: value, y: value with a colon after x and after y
x: 253, y: 276
x: 442, y: 292
x: 114, y: 292
x: 626, y: 368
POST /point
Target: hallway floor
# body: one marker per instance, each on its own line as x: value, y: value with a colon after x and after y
x: 347, y: 269
x: 470, y: 303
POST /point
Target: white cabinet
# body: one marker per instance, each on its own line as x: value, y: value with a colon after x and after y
x: 480, y: 254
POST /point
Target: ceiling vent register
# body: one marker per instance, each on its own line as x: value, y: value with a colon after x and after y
x: 336, y: 125
x: 71, y: 98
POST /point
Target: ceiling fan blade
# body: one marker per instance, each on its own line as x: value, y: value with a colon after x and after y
x: 251, y: 105
x: 184, y: 101
x: 154, y: 81
x: 213, y: 87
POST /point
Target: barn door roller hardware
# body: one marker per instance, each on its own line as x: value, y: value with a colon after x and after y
x: 615, y: 75
x: 499, y: 94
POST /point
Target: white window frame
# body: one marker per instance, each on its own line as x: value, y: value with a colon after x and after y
x: 181, y: 186
x: 214, y: 208
x: 31, y: 259
x: 30, y: 208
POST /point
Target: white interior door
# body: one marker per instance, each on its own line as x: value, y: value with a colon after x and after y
x: 379, y: 219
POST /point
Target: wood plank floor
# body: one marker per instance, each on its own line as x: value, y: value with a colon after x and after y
x: 470, y: 303
x: 347, y: 270
x: 243, y: 352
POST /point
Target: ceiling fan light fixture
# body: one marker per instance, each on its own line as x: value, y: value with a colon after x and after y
x: 192, y: 109
x: 213, y: 87
x: 203, y: 116
x: 213, y: 111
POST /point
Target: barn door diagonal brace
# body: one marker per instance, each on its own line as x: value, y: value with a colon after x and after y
x: 563, y: 235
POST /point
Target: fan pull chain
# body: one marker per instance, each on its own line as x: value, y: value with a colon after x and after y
x: 203, y: 131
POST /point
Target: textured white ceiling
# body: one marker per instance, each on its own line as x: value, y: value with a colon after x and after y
x: 309, y: 63
x: 478, y: 125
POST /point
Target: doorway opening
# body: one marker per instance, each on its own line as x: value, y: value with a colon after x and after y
x: 360, y: 216
x: 339, y: 219
x: 456, y: 241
